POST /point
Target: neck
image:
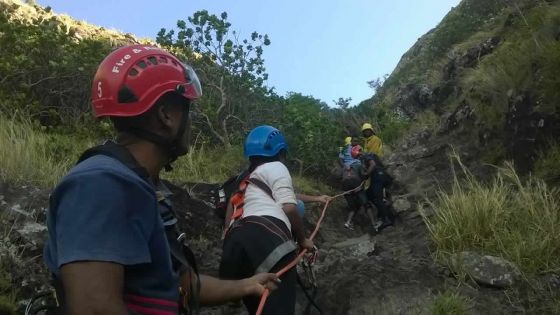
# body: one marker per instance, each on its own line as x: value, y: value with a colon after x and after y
x: 149, y: 155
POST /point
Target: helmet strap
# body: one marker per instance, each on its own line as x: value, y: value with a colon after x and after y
x: 170, y: 147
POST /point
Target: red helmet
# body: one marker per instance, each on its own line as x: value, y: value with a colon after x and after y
x: 356, y: 151
x: 132, y: 78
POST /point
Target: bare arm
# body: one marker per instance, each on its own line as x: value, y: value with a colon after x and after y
x: 295, y: 220
x: 93, y: 288
x: 309, y: 198
x: 369, y: 170
x: 217, y: 291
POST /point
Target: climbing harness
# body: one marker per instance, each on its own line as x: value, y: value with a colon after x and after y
x: 294, y: 262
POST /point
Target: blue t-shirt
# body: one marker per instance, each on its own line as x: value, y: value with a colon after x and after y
x: 103, y: 211
x: 346, y: 156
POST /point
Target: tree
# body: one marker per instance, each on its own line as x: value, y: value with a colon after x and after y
x: 377, y: 84
x: 311, y: 130
x: 342, y: 102
x: 231, y: 69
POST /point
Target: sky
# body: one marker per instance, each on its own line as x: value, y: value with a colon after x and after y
x: 324, y: 48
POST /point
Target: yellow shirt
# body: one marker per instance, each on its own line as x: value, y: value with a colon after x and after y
x: 373, y: 144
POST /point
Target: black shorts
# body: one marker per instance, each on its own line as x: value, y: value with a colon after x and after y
x: 356, y: 200
x: 245, y: 248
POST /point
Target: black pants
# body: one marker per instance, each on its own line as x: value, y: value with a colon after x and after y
x: 245, y: 248
x: 380, y: 181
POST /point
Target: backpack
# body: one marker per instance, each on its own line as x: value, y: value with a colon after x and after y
x: 233, y: 191
x: 352, y: 176
x: 225, y: 191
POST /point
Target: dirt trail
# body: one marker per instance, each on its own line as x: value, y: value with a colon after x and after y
x: 389, y: 273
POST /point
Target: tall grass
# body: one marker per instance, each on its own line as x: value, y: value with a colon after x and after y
x: 509, y: 217
x: 547, y: 165
x: 211, y: 165
x: 449, y: 303
x: 30, y: 156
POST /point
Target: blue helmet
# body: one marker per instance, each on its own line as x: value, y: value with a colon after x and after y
x: 264, y: 141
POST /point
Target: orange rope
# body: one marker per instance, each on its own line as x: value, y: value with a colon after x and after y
x: 294, y: 262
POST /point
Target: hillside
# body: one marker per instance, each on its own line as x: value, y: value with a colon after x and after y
x: 478, y: 90
x: 485, y: 76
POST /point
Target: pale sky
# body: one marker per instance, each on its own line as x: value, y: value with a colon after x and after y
x: 324, y: 48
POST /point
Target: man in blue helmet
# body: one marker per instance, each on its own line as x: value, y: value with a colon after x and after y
x: 261, y: 221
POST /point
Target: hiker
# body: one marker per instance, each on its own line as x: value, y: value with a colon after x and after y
x: 379, y: 183
x: 261, y: 221
x: 372, y: 143
x: 345, y: 158
x: 352, y: 179
x: 113, y: 247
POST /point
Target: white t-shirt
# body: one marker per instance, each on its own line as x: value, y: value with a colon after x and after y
x: 257, y: 202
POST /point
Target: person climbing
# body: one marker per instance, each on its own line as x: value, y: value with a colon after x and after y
x: 261, y: 221
x: 372, y: 143
x: 379, y: 182
x: 352, y: 179
x: 345, y: 158
x: 113, y: 247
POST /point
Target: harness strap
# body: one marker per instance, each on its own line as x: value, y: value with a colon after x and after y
x: 275, y: 256
x: 238, y: 199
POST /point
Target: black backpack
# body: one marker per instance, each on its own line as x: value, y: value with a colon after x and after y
x: 352, y: 176
x: 225, y: 191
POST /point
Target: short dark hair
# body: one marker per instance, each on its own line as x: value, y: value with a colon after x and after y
x: 123, y: 124
x: 257, y: 160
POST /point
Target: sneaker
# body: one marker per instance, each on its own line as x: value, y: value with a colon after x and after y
x: 349, y: 225
x: 378, y: 225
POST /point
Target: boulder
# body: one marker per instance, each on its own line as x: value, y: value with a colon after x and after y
x: 402, y: 205
x: 486, y: 270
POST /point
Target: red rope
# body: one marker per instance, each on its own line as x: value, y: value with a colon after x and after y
x: 294, y: 262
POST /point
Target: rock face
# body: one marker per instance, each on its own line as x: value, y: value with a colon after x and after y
x: 487, y: 270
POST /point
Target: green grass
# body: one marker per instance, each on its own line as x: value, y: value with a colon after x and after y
x: 508, y: 217
x: 210, y: 165
x: 306, y: 185
x: 528, y: 59
x: 449, y: 303
x: 547, y: 165
x: 29, y: 155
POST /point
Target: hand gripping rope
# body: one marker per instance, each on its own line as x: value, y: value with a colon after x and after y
x: 294, y: 262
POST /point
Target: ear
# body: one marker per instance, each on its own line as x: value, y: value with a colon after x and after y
x: 165, y: 116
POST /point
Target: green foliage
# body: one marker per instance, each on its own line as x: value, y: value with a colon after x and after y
x: 311, y: 132
x: 210, y: 165
x: 527, y: 61
x: 47, y: 65
x: 310, y: 186
x: 507, y: 217
x: 7, y: 305
x: 391, y: 126
x: 232, y: 73
x: 449, y: 303
x: 418, y: 64
x: 547, y: 165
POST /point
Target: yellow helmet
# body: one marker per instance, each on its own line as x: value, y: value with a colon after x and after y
x: 347, y: 140
x: 367, y: 126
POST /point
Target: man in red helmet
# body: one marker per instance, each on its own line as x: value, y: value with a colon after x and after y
x: 113, y: 247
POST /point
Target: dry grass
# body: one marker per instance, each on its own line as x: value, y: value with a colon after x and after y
x: 508, y: 217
